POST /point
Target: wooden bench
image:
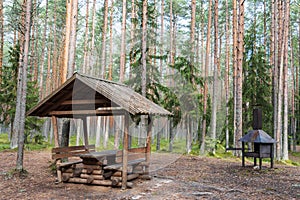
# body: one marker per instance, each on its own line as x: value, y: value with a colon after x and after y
x: 61, y: 156
x: 136, y: 156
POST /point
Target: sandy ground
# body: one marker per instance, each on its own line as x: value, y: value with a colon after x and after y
x: 173, y: 177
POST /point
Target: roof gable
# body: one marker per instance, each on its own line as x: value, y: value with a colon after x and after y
x: 86, y: 95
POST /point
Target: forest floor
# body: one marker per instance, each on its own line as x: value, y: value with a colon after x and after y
x: 174, y: 177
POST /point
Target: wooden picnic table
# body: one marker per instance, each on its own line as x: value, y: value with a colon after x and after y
x: 106, y: 157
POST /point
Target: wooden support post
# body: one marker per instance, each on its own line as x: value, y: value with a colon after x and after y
x: 56, y: 143
x: 55, y: 130
x: 125, y: 151
x: 272, y: 157
x: 148, y: 144
x: 243, y: 154
x: 85, y: 131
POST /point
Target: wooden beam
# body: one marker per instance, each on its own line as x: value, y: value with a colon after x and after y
x: 125, y: 151
x: 84, y: 101
x: 85, y: 131
x: 88, y: 112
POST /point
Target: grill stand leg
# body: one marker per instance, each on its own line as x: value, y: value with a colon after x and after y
x: 260, y: 163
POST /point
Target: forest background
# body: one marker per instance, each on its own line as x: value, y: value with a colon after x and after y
x: 208, y: 62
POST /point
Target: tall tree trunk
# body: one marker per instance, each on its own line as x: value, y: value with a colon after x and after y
x: 111, y: 42
x: 234, y: 63
x: 132, y: 35
x: 172, y: 58
x: 192, y: 38
x: 162, y: 13
x: 43, y: 53
x: 73, y: 34
x: 144, y: 63
x: 285, y: 152
x: 64, y: 67
x: 293, y: 85
x: 216, y: 77
x: 1, y: 37
x: 123, y: 41
x: 55, y: 52
x: 104, y: 29
x: 22, y: 89
x: 227, y: 76
x: 274, y: 64
x: 17, y: 118
x: 205, y: 94
x: 92, y: 60
x: 239, y: 75
x: 48, y: 80
x: 280, y: 60
x: 86, y: 38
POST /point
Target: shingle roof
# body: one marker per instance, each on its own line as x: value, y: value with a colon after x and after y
x: 86, y: 95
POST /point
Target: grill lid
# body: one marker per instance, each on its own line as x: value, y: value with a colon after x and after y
x: 257, y: 136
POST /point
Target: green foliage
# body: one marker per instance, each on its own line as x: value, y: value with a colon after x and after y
x: 8, y: 92
x: 257, y: 90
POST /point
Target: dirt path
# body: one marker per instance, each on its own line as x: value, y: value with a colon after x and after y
x: 174, y: 177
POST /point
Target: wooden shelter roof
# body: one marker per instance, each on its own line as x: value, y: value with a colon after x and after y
x: 83, y: 95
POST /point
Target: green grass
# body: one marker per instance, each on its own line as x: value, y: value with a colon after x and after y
x: 5, y: 144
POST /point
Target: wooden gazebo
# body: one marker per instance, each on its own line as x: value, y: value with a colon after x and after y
x: 82, y: 96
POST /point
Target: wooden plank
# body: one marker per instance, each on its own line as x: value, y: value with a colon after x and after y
x: 65, y: 164
x: 66, y: 155
x: 92, y: 171
x: 95, y: 177
x: 73, y: 148
x: 119, y: 165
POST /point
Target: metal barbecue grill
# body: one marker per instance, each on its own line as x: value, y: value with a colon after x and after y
x: 260, y: 144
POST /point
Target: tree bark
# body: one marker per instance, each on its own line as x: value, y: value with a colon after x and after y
x: 1, y: 37
x: 205, y: 94
x: 234, y: 64
x: 86, y: 38
x: 64, y: 67
x: 215, y: 81
x: 161, y: 36
x: 239, y: 77
x: 104, y: 30
x: 73, y: 36
x: 42, y: 61
x: 111, y: 41
x: 285, y: 152
x: 279, y: 97
x: 192, y: 38
x: 22, y: 90
x: 123, y: 41
x: 227, y: 77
